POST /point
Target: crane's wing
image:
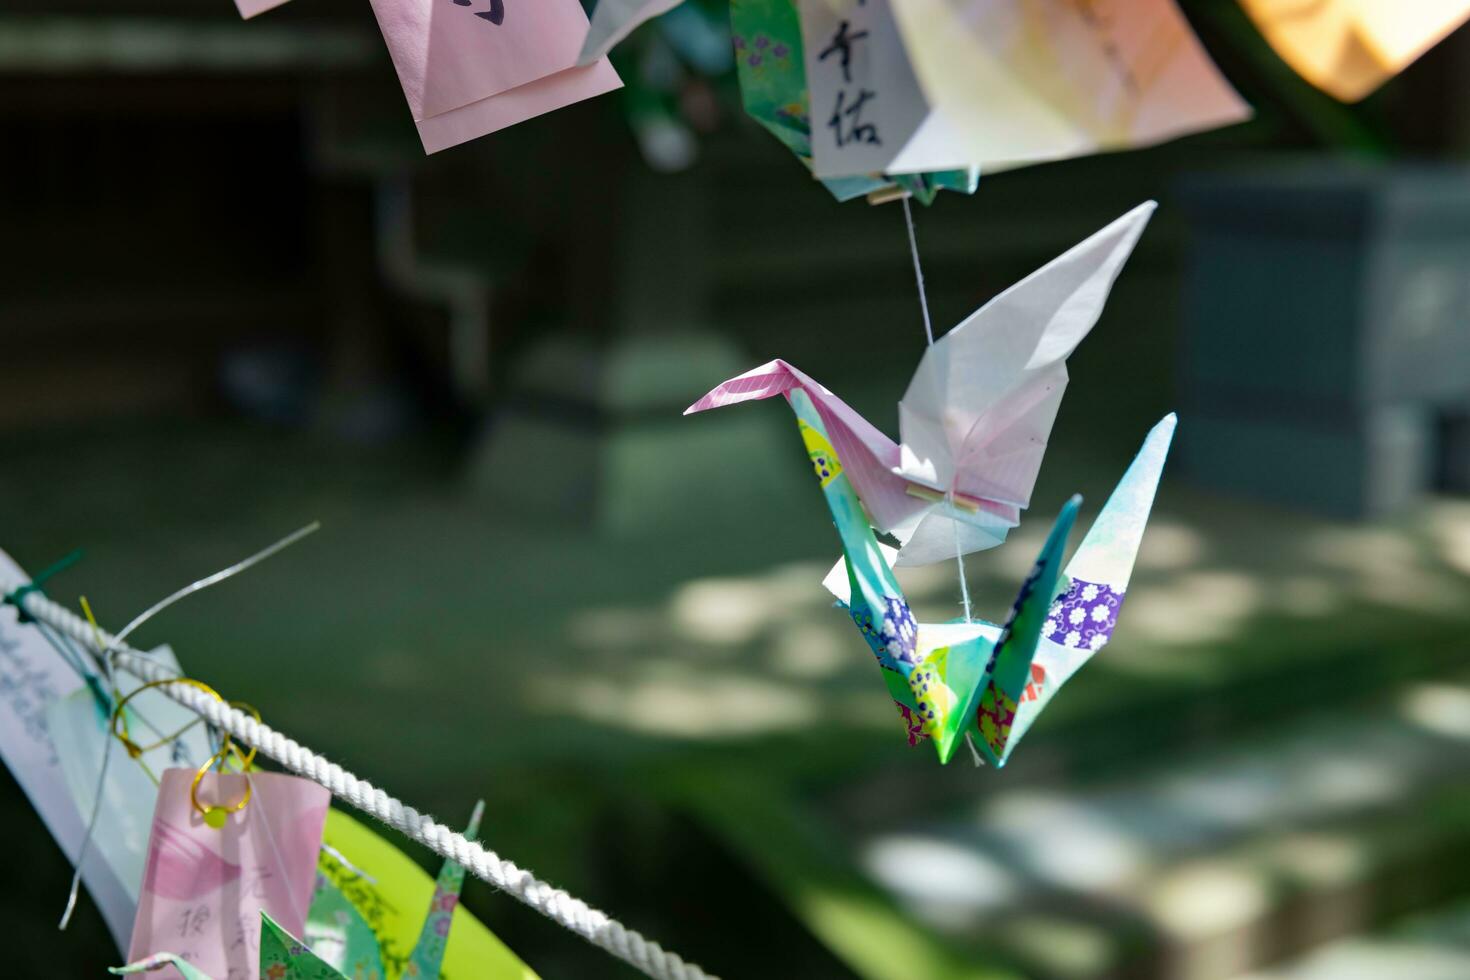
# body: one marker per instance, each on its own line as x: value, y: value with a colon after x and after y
x: 978, y: 413
x: 613, y: 20
x: 1081, y: 608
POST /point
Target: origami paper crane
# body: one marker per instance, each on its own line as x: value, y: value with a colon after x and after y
x: 976, y: 417
x: 1348, y: 48
x: 977, y: 677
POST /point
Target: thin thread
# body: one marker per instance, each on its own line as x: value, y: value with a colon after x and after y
x: 341, y: 859
x: 105, y: 654
x: 297, y: 913
x: 76, y: 876
x: 959, y: 554
x: 567, y: 911
x: 974, y: 752
x: 908, y: 217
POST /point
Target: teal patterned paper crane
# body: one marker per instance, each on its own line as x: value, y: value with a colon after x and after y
x: 978, y: 678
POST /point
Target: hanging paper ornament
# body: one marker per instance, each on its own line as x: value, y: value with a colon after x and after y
x: 1348, y: 48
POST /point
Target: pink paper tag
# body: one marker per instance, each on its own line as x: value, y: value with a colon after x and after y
x: 204, y: 889
x: 470, y: 67
x: 250, y: 8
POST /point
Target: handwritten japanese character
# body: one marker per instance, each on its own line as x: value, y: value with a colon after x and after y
x: 856, y: 130
x: 842, y: 47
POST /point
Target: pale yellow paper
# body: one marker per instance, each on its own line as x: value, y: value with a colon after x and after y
x: 1023, y: 81
x: 1348, y: 48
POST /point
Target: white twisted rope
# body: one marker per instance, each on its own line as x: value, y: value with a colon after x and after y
x: 596, y: 927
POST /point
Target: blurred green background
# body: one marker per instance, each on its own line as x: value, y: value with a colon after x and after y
x: 237, y: 298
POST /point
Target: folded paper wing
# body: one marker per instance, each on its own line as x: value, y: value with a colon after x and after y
x: 427, y: 958
x: 1348, y: 48
x: 1059, y: 623
x: 614, y: 20
x: 1022, y: 81
x: 339, y: 934
x: 472, y: 69
x: 284, y: 957
x: 979, y: 411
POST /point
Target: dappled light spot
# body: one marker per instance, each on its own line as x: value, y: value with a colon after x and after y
x: 1237, y: 795
x: 1063, y: 842
x: 1443, y: 709
x: 1200, y: 899
x: 1387, y: 567
x: 1194, y: 607
x: 1170, y: 544
x: 693, y: 705
x: 1346, y: 780
x: 722, y: 611
x: 1450, y: 523
x: 808, y: 650
x: 1356, y: 548
x: 945, y: 884
x: 1307, y: 596
x: 618, y: 627
x: 1152, y: 662
x: 1065, y: 947
x: 1374, y: 959
x: 1320, y: 859
x: 860, y: 709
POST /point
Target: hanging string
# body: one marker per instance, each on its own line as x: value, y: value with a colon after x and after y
x: 76, y: 877
x: 592, y: 924
x: 908, y: 217
x: 252, y: 789
x: 106, y: 655
x: 959, y: 555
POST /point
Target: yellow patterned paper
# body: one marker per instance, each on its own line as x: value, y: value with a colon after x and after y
x: 824, y: 459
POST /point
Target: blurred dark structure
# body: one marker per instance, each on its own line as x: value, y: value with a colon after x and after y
x: 1328, y: 333
x: 236, y: 296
